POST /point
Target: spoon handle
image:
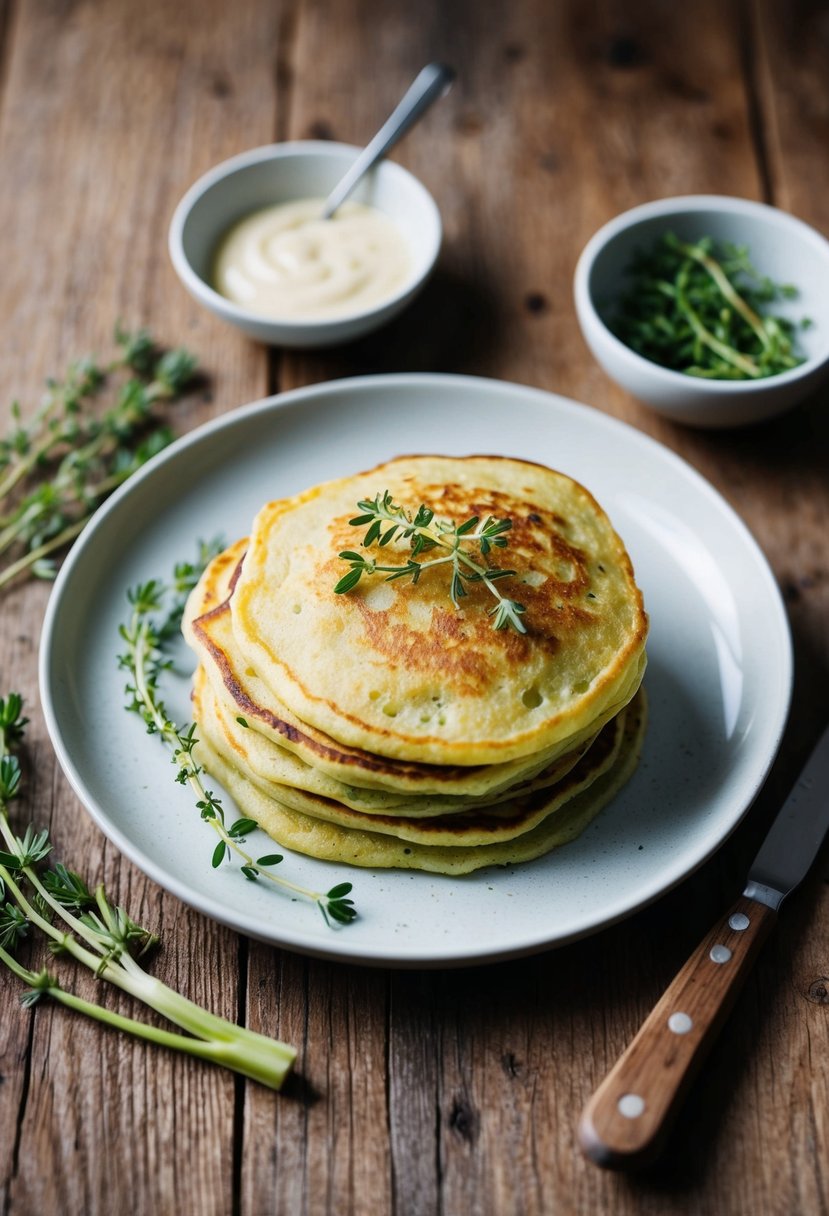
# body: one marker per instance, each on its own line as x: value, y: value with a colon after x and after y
x: 625, y: 1122
x: 429, y: 84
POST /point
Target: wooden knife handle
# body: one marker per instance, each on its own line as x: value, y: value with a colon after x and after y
x: 625, y: 1122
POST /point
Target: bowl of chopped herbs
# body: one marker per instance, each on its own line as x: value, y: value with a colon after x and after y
x: 711, y: 310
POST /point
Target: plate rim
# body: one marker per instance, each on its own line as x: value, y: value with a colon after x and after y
x: 337, y: 950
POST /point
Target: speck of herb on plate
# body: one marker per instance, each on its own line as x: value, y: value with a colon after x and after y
x: 701, y: 308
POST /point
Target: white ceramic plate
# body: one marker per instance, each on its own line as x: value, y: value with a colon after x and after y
x: 719, y: 677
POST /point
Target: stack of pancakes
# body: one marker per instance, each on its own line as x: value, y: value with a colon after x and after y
x: 387, y: 727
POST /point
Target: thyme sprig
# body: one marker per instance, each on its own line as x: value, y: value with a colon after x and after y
x: 155, y: 618
x: 57, y: 469
x: 700, y: 307
x: 388, y: 520
x: 84, y: 926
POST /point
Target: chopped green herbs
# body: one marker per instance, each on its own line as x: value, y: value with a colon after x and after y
x: 154, y: 620
x: 386, y: 520
x: 58, y: 467
x: 81, y: 924
x: 702, y: 308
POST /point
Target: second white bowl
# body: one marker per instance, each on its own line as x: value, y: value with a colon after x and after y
x: 780, y: 246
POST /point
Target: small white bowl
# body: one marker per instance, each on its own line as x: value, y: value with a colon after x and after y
x: 279, y: 173
x: 780, y: 246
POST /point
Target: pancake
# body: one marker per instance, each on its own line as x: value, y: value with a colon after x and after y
x: 396, y: 670
x: 390, y: 727
x: 375, y: 850
x: 309, y: 755
x: 469, y: 828
x: 259, y: 758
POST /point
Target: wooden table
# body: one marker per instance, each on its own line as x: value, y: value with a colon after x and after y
x: 418, y: 1093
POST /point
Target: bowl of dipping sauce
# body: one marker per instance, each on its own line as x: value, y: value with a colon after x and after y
x: 781, y: 248
x: 247, y: 242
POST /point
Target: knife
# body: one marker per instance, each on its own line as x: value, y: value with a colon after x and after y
x: 625, y: 1123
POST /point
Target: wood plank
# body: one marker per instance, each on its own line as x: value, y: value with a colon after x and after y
x: 792, y: 58
x: 789, y: 492
x: 14, y: 1030
x: 322, y: 1146
x: 100, y: 137
x: 792, y: 461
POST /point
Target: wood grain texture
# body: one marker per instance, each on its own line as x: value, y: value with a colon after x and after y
x: 108, y: 112
x: 562, y: 115
x: 418, y: 1093
x: 324, y: 1144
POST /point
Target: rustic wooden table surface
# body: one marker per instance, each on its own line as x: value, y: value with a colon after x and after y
x: 418, y: 1092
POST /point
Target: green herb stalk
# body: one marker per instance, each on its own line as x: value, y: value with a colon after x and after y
x: 84, y: 926
x: 56, y: 470
x: 152, y: 625
x: 701, y: 308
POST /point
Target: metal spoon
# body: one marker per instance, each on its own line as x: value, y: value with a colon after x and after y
x: 432, y: 82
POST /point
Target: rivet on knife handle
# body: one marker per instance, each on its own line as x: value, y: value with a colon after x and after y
x: 628, y: 1117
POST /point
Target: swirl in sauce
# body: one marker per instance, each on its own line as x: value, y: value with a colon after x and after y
x: 286, y: 262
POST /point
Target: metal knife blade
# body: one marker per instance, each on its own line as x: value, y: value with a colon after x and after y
x: 796, y: 835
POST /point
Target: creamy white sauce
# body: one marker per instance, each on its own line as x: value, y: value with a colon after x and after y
x: 286, y: 262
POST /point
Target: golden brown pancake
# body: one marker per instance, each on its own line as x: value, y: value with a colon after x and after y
x: 391, y: 727
x: 396, y: 669
x: 208, y: 629
x: 280, y: 772
x: 469, y: 828
x: 333, y: 842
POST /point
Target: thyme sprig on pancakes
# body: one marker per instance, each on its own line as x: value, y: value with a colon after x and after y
x: 83, y: 925
x: 387, y: 520
x: 57, y: 468
x: 700, y: 307
x: 154, y: 621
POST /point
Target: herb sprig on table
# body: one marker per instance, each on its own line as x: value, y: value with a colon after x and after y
x: 93, y: 430
x: 387, y: 520
x: 83, y: 925
x: 702, y: 308
x: 155, y: 619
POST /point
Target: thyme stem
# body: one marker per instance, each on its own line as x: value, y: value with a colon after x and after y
x: 424, y: 533
x: 144, y: 660
x: 57, y: 469
x: 49, y: 546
